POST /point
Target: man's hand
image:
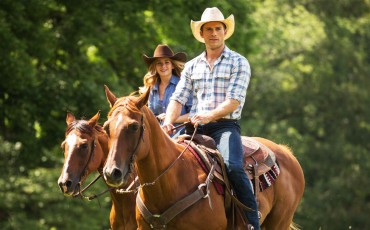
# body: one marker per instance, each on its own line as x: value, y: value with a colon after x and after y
x: 201, y: 119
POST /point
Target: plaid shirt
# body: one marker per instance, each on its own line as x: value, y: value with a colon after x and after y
x: 228, y: 79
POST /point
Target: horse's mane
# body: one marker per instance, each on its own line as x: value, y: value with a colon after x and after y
x: 83, y: 127
x: 129, y: 102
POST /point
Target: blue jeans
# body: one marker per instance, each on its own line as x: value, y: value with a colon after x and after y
x: 228, y: 141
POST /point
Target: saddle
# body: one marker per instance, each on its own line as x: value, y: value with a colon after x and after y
x: 256, y: 155
x: 259, y: 163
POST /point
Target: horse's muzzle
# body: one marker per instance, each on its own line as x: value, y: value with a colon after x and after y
x: 66, y: 186
x: 114, y: 177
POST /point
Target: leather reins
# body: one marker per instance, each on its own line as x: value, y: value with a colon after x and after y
x: 160, y: 221
x: 80, y: 193
x: 84, y: 171
x: 129, y: 188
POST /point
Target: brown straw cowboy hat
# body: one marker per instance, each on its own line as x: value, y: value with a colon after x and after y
x: 164, y: 51
x: 212, y: 15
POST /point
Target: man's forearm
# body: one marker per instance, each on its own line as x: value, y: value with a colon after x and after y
x: 225, y: 108
x: 183, y: 118
x: 221, y: 111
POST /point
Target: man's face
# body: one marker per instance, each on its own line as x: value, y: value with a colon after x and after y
x: 213, y: 34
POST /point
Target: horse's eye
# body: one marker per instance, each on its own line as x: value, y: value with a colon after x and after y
x: 84, y: 146
x: 133, y: 127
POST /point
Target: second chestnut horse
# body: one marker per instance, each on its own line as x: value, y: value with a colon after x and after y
x: 85, y: 151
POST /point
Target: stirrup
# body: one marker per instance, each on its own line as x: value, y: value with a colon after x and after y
x: 250, y: 227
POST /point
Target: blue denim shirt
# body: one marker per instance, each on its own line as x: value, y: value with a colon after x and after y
x: 158, y: 106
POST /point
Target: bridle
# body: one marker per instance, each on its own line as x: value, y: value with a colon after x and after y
x: 128, y: 189
x: 142, y: 128
x: 84, y: 172
x: 141, y: 136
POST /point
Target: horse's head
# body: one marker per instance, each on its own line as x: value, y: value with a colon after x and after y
x: 125, y: 127
x: 82, y: 152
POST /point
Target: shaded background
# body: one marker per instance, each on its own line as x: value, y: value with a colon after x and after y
x: 309, y: 89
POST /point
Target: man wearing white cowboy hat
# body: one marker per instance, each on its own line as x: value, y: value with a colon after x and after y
x: 217, y: 80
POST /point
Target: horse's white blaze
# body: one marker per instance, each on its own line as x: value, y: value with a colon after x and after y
x: 71, y: 140
x: 119, y: 120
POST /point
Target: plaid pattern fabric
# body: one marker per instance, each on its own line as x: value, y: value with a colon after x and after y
x: 228, y: 79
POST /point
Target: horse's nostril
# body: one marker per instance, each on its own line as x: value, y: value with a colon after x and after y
x: 116, y: 174
x: 65, y: 186
x: 68, y: 184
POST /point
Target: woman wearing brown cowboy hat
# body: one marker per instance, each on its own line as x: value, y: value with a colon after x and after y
x: 164, y: 71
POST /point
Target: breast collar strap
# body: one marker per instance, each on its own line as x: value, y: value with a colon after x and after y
x: 160, y: 221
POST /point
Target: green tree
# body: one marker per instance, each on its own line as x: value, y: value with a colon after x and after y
x: 311, y: 69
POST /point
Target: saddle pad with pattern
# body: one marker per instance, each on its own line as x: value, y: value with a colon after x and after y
x: 255, y: 154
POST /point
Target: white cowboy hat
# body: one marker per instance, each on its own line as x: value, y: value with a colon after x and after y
x: 212, y: 15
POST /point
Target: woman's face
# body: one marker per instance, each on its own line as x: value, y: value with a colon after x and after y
x: 164, y: 67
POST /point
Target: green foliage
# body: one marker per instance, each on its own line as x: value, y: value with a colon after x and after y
x: 39, y: 204
x: 309, y: 89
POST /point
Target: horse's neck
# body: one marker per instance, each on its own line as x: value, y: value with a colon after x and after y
x: 162, y: 152
x: 160, y: 171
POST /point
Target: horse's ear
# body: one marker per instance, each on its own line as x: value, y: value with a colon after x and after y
x: 70, y: 118
x: 143, y: 100
x: 94, y: 120
x: 110, y: 96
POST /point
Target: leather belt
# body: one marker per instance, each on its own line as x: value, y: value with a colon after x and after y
x: 225, y: 119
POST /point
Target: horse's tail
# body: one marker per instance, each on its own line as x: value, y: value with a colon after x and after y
x: 294, y: 226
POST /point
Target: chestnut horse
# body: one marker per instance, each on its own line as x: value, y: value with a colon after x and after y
x: 169, y: 173
x: 85, y: 151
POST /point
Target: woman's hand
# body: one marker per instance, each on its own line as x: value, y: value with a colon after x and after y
x: 168, y: 128
x: 161, y: 116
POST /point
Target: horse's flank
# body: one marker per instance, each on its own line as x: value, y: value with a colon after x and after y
x: 278, y: 203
